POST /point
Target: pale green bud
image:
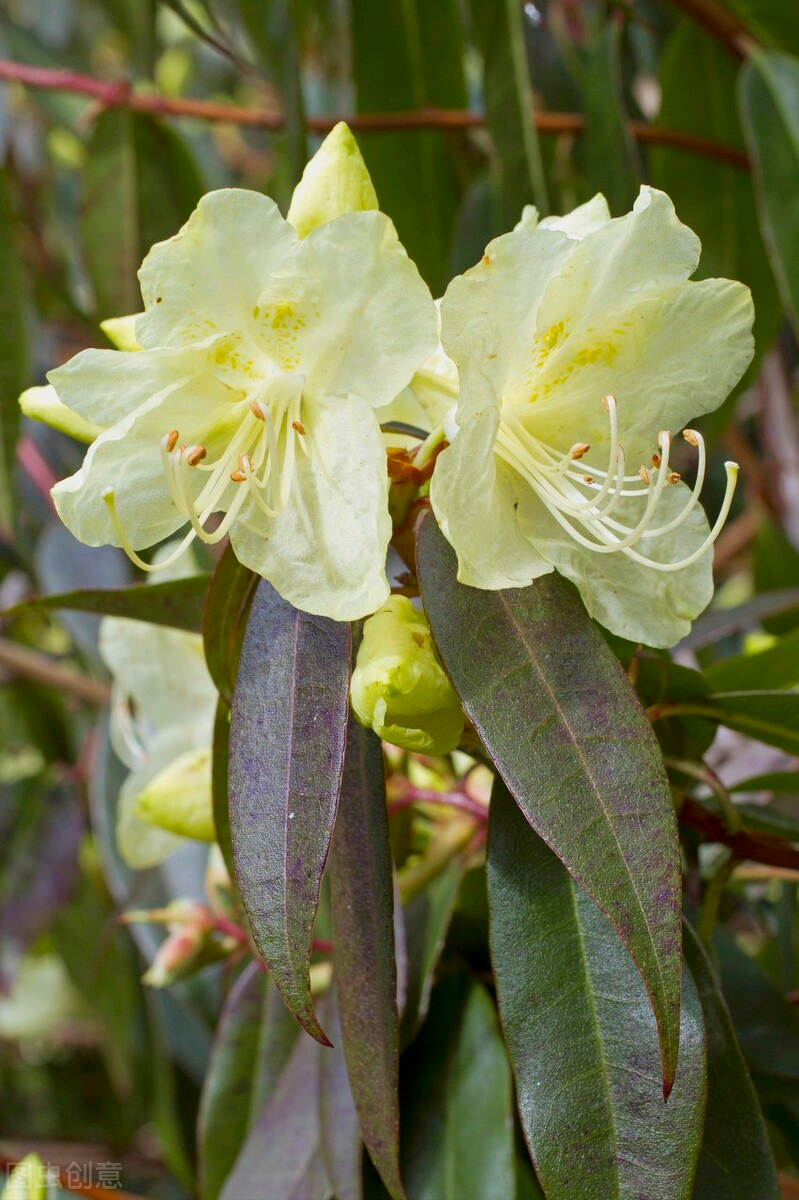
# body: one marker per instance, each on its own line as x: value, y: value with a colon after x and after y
x: 399, y: 688
x: 178, y: 798
x: 122, y: 331
x: 334, y: 182
x: 43, y: 404
x: 27, y: 1181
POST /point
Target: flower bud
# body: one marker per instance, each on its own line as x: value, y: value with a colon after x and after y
x: 43, y: 404
x: 28, y: 1180
x: 121, y: 331
x: 178, y: 798
x: 399, y: 687
x: 334, y: 182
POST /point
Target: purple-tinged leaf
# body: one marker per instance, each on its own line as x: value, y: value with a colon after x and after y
x: 287, y: 737
x: 363, y: 950
x: 178, y: 603
x: 427, y: 918
x: 338, y: 1121
x: 564, y: 727
x: 581, y: 1034
x: 227, y: 607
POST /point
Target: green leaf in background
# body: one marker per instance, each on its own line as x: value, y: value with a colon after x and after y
x: 735, y: 1161
x: 457, y: 1130
x: 13, y: 354
x: 413, y: 172
x: 253, y: 1042
x: 178, y: 603
x: 498, y: 29
x: 565, y: 729
x: 697, y: 77
x: 219, y: 791
x: 227, y: 607
x: 581, y: 1035
x: 776, y: 781
x: 775, y: 569
x: 363, y: 950
x: 772, y: 22
x: 768, y: 716
x: 338, y: 1120
x: 610, y: 155
x: 776, y: 667
x: 139, y: 186
x: 426, y: 918
x: 768, y: 94
x: 287, y: 735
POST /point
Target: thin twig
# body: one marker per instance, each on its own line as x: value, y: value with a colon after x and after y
x: 31, y: 664
x: 702, y: 773
x: 122, y: 95
x: 460, y: 800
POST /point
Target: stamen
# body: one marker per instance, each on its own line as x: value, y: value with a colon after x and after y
x: 674, y: 476
x: 298, y: 425
x: 196, y: 455
x: 108, y: 497
x: 579, y: 450
x: 256, y: 410
x: 238, y: 476
x: 171, y: 440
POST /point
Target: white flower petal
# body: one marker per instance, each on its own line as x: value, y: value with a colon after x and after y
x: 335, y: 181
x: 350, y: 311
x: 43, y: 404
x: 581, y: 221
x: 326, y: 551
x: 206, y: 279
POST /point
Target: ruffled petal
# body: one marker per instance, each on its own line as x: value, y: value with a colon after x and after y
x: 474, y: 499
x: 326, y: 551
x: 206, y: 279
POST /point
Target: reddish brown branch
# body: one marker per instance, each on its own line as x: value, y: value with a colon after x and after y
x: 720, y: 23
x: 122, y: 95
x: 752, y: 847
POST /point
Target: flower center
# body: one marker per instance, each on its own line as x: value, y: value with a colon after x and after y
x: 259, y: 458
x: 582, y: 498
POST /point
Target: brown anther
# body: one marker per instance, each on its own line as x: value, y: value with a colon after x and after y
x: 644, y: 473
x: 690, y: 437
x: 486, y: 260
x: 298, y: 425
x: 674, y: 476
x: 238, y: 476
x: 606, y: 401
x: 580, y: 449
x: 171, y: 440
x: 588, y: 479
x: 196, y: 455
x: 256, y: 410
x: 655, y: 460
x: 663, y: 436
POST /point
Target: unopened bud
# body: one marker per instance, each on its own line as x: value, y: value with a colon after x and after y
x: 334, y: 182
x: 399, y: 688
x: 178, y: 798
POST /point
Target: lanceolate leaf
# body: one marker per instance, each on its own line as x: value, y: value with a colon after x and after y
x: 287, y: 736
x: 769, y: 716
x: 252, y: 1046
x: 363, y: 950
x: 769, y: 99
x: 338, y: 1121
x: 227, y: 607
x: 581, y: 1034
x: 13, y: 354
x: 736, y: 1160
x: 178, y: 603
x: 427, y: 919
x: 566, y: 731
x: 457, y: 1135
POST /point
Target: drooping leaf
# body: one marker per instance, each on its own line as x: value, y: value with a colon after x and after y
x: 427, y: 918
x: 735, y: 1161
x: 139, y: 186
x: 283, y: 1150
x: 776, y: 667
x: 612, y: 164
x: 566, y: 731
x: 776, y: 781
x: 287, y: 736
x: 508, y: 96
x: 219, y: 783
x: 775, y: 568
x: 768, y: 94
x: 768, y: 716
x: 363, y: 950
x: 770, y: 21
x: 178, y: 603
x: 409, y: 55
x: 227, y: 606
x: 252, y: 1045
x: 581, y: 1034
x: 13, y: 353
x: 457, y: 1132
x: 697, y: 77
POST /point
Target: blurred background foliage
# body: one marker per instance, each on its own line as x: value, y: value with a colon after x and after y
x: 698, y: 97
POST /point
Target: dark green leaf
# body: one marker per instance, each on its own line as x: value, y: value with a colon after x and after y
x: 274, y: 36
x: 735, y: 1161
x: 219, y: 783
x: 777, y: 781
x: 775, y: 567
x: 227, y: 607
x: 13, y: 355
x: 768, y: 94
x: 457, y: 1100
x: 767, y: 609
x: 178, y: 603
x: 770, y: 717
x: 772, y: 22
x: 697, y: 76
x: 562, y: 723
x: 759, y: 818
x: 611, y: 157
x: 507, y: 91
x: 253, y: 1043
x: 139, y: 186
x: 408, y: 55
x: 363, y: 950
x: 581, y: 1035
x: 283, y: 1150
x: 427, y: 919
x: 287, y: 738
